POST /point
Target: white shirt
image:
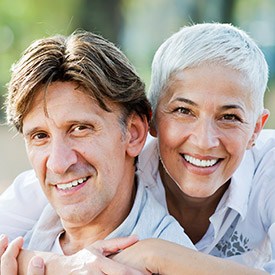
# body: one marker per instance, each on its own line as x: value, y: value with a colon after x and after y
x: 21, y: 205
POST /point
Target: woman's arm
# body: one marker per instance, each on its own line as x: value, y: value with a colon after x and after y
x: 163, y: 257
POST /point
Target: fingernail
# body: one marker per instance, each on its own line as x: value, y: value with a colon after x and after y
x: 37, y: 262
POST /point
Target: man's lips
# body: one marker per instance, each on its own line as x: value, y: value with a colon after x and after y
x: 72, y: 184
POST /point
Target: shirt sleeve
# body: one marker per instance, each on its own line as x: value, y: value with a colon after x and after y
x: 270, y: 266
x: 21, y: 205
x: 266, y: 190
x: 270, y: 222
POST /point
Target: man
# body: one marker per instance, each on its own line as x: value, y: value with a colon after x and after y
x: 84, y: 116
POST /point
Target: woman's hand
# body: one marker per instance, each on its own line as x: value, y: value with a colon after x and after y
x: 144, y: 255
x: 158, y: 256
x: 94, y: 259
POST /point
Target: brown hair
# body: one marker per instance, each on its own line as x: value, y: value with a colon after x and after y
x: 89, y: 60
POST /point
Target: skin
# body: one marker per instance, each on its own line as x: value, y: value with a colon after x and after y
x: 204, y: 123
x: 80, y: 141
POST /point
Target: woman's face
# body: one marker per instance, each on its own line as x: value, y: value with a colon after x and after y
x: 204, y: 124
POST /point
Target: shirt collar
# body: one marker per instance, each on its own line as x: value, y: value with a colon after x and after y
x: 148, y: 162
x: 237, y: 195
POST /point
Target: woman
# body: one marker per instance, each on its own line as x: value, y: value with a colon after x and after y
x: 207, y: 89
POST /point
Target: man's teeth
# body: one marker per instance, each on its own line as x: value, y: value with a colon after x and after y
x: 69, y: 185
x: 199, y: 162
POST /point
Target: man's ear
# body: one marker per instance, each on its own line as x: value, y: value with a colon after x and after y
x: 262, y: 119
x: 138, y: 131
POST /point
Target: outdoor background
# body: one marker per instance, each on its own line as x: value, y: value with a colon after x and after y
x: 138, y: 27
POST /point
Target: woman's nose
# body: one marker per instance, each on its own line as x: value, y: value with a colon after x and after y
x: 205, y: 134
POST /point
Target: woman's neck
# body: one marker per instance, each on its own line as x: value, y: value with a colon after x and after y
x: 192, y: 213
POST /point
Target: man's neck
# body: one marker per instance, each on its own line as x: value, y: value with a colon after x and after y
x: 76, y: 237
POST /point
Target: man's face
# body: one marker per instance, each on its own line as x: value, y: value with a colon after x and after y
x: 79, y: 153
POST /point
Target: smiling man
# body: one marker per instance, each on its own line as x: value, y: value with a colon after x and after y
x: 84, y: 116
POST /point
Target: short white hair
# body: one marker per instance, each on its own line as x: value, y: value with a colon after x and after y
x: 221, y: 44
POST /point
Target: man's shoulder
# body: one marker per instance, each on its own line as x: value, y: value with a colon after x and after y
x: 27, y: 177
x: 24, y: 188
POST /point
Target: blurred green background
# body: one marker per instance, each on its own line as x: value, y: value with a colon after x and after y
x: 138, y: 27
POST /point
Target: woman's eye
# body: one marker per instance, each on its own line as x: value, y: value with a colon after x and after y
x: 231, y: 117
x: 183, y: 110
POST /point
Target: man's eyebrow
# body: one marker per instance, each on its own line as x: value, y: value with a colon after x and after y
x: 29, y: 132
x: 185, y: 100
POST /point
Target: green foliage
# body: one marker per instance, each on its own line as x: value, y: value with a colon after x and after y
x: 21, y: 22
x: 138, y: 27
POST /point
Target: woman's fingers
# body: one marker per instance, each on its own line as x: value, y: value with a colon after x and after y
x: 108, y: 247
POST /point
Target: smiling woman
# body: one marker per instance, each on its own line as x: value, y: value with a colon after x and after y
x: 207, y: 164
x: 197, y: 122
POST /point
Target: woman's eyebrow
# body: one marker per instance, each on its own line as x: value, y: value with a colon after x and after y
x: 232, y: 106
x: 185, y: 100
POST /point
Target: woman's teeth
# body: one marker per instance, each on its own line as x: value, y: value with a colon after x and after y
x: 199, y: 162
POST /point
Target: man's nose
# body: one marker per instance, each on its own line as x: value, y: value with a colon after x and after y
x: 61, y: 157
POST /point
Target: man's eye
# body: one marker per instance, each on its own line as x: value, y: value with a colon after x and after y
x: 40, y: 136
x: 80, y: 128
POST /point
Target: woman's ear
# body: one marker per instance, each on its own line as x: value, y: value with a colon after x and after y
x: 261, y: 121
x: 138, y: 131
